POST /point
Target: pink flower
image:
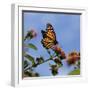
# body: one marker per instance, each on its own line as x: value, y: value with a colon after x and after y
x: 63, y: 56
x: 33, y: 32
x: 73, y: 57
x: 30, y: 34
x: 58, y: 50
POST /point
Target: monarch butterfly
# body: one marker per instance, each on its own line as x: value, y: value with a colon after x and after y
x: 49, y: 37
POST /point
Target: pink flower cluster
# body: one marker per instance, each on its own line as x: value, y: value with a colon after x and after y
x: 73, y: 57
x: 33, y: 33
x: 58, y: 50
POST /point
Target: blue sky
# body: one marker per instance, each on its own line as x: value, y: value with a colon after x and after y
x: 67, y: 28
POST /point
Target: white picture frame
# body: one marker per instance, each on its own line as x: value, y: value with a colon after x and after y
x: 16, y: 65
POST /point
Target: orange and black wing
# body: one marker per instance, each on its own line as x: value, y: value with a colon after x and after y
x: 49, y: 37
x: 47, y: 43
x: 50, y: 33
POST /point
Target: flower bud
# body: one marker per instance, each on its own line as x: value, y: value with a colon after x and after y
x: 34, y: 34
x: 56, y: 48
x: 73, y: 57
x: 63, y: 56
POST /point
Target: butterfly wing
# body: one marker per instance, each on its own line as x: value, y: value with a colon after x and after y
x: 49, y: 37
x: 47, y: 43
x: 43, y: 33
x: 50, y: 32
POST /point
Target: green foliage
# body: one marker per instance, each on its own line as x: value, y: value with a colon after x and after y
x: 29, y: 35
x: 31, y: 74
x: 40, y: 60
x: 54, y: 72
x: 25, y: 64
x: 29, y: 57
x: 32, y: 46
x: 58, y: 62
x: 75, y: 72
x: 54, y: 69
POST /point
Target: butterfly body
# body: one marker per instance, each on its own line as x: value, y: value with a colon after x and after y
x: 49, y: 37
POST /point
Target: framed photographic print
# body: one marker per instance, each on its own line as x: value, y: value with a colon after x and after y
x: 47, y: 43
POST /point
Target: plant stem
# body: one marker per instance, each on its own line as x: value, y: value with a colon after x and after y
x: 51, y: 57
x: 30, y: 67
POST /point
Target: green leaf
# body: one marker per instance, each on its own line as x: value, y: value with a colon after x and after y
x: 28, y: 35
x: 40, y: 60
x: 54, y: 72
x: 75, y: 72
x: 58, y: 62
x: 27, y: 74
x: 29, y: 57
x: 31, y: 74
x: 54, y: 69
x: 32, y: 46
x: 25, y: 64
